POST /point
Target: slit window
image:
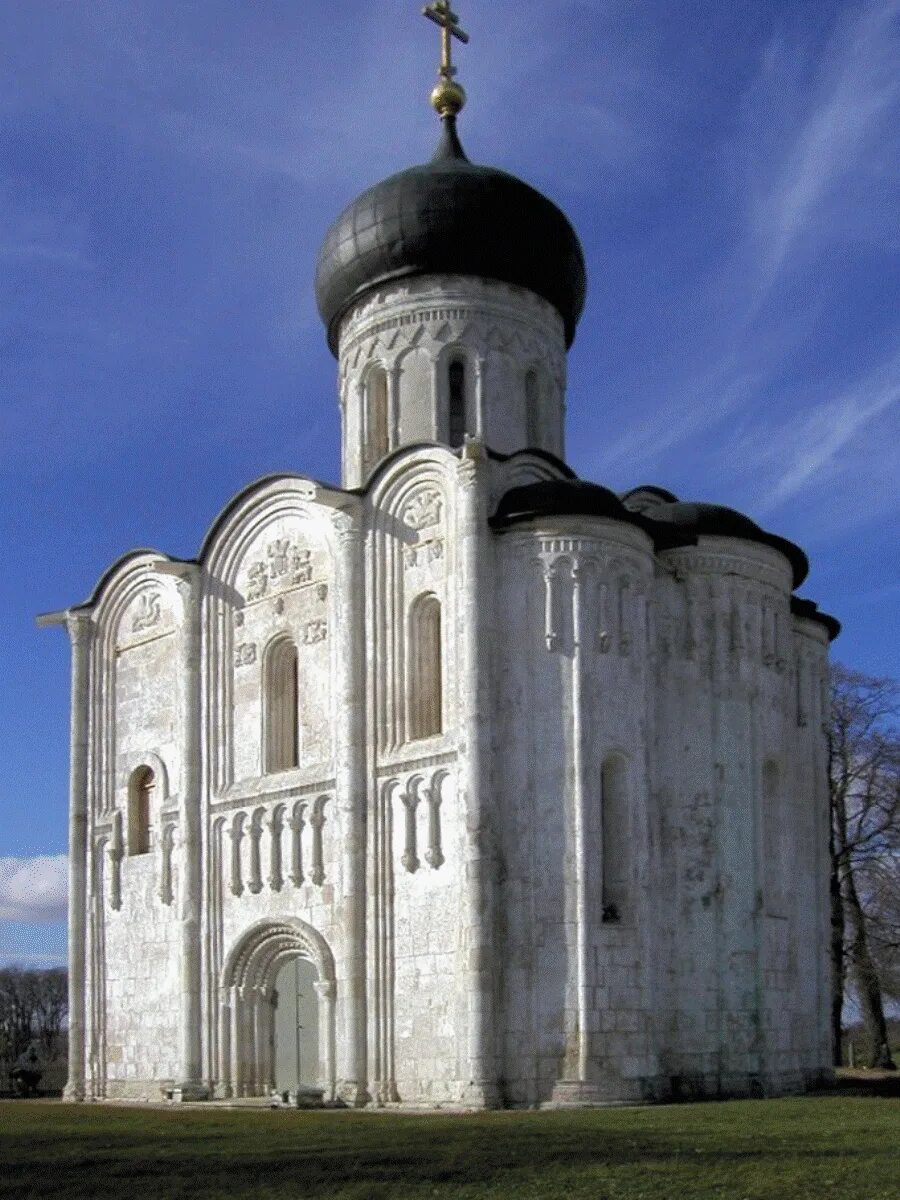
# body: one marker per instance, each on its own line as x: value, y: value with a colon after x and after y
x: 282, y: 724
x: 456, y: 379
x: 377, y: 415
x: 426, y: 690
x: 140, y: 811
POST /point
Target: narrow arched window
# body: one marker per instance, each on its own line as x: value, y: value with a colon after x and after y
x: 532, y: 408
x: 426, y: 674
x: 615, y: 839
x: 456, y: 402
x: 774, y: 866
x: 281, y: 707
x: 141, y: 788
x: 376, y: 415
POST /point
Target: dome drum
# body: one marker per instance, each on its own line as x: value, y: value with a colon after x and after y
x: 451, y: 217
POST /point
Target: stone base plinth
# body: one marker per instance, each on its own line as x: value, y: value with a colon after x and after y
x: 582, y: 1093
x: 188, y: 1093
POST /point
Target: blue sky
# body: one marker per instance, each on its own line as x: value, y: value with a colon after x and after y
x: 168, y: 169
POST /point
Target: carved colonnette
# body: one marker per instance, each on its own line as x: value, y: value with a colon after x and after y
x: 264, y: 839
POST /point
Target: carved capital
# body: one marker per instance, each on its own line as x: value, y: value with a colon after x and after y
x: 80, y: 627
x: 347, y: 527
x: 325, y: 989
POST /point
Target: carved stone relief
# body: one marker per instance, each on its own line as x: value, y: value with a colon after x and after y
x: 287, y: 564
x: 245, y: 654
x: 610, y: 605
x: 419, y: 799
x: 314, y: 632
x: 424, y: 510
x: 149, y: 611
x: 305, y: 815
x: 423, y: 553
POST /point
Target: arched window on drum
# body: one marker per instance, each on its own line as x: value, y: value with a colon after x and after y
x: 457, y: 402
x: 377, y: 435
x: 532, y: 408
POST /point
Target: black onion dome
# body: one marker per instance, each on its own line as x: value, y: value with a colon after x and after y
x: 716, y: 520
x: 451, y: 217
x: 558, y: 498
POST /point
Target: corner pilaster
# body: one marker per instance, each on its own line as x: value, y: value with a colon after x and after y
x: 81, y: 634
x: 481, y: 1086
x: 351, y: 800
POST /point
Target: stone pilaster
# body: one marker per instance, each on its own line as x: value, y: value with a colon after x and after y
x: 351, y: 801
x: 188, y: 581
x: 475, y: 732
x: 81, y: 629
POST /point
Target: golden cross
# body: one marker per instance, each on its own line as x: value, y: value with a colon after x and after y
x: 442, y: 14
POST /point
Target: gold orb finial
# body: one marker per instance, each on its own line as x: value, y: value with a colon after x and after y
x: 448, y: 97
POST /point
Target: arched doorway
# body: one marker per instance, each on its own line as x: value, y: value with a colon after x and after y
x: 297, y: 1047
x: 253, y: 1040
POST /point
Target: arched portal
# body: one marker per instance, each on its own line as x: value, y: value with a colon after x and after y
x: 249, y: 1025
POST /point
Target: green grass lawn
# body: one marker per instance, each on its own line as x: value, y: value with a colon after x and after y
x: 834, y: 1146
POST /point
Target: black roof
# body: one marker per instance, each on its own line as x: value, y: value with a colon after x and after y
x: 450, y: 216
x: 669, y: 522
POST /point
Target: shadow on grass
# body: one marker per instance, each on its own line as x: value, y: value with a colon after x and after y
x: 54, y: 1151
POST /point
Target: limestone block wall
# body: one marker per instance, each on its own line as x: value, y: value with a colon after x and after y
x: 736, y: 863
x: 134, y: 881
x: 571, y: 694
x: 510, y: 343
x: 275, y: 818
x: 549, y: 820
x: 142, y: 981
x: 416, y: 999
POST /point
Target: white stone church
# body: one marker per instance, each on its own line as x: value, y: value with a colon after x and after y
x: 518, y: 784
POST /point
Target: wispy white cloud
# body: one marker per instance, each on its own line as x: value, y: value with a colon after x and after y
x: 815, y: 442
x: 843, y: 140
x: 62, y: 255
x: 817, y: 151
x: 34, y: 890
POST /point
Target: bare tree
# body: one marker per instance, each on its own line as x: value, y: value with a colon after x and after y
x: 864, y: 771
x: 33, y: 1009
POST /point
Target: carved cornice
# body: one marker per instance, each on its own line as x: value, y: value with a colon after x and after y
x: 752, y: 566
